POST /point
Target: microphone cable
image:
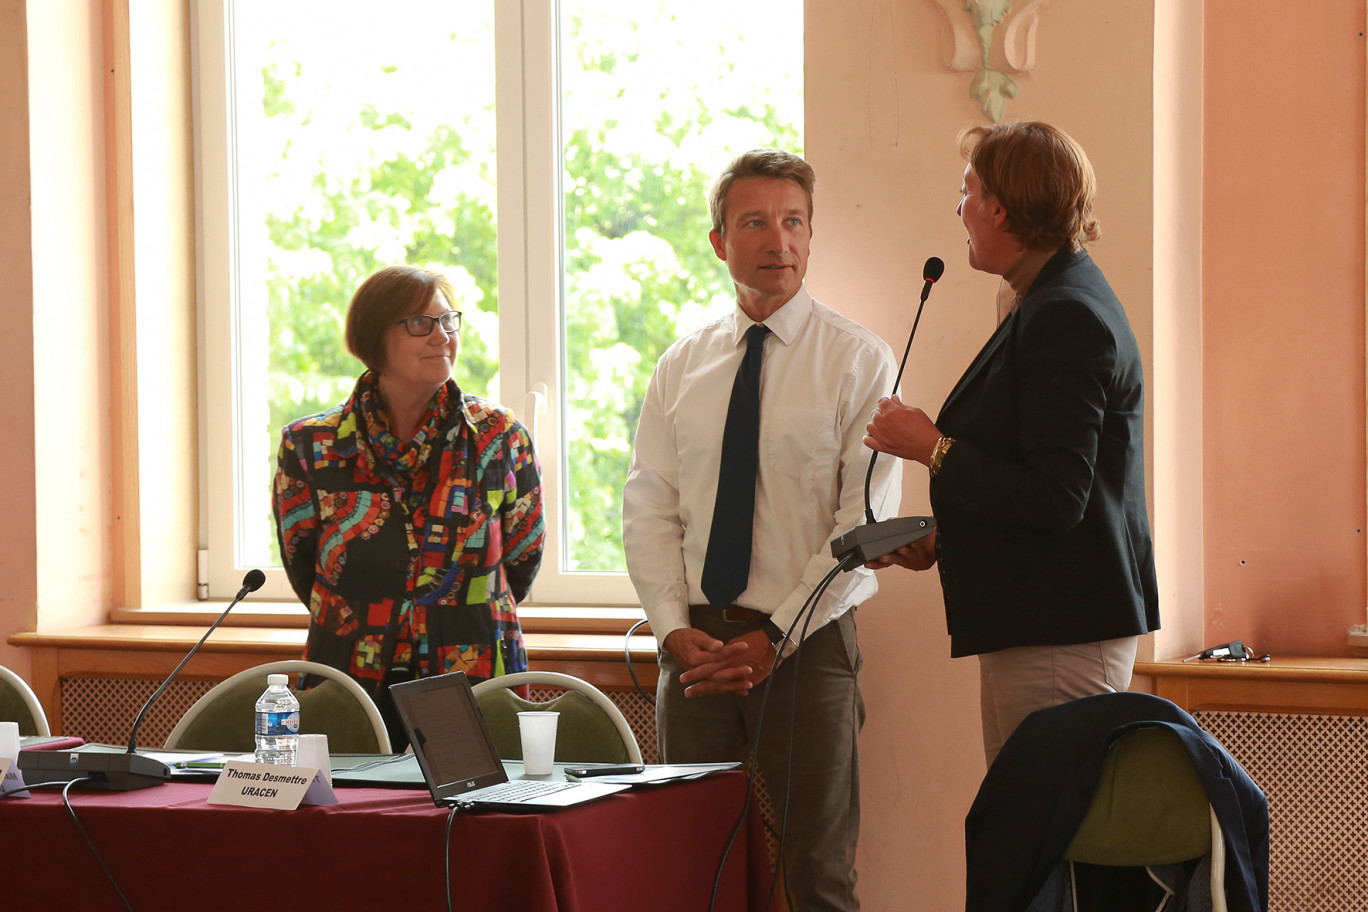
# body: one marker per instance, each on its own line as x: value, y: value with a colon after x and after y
x: 376, y: 764
x: 24, y: 788
x: 806, y: 616
x: 627, y: 654
x: 446, y: 856
x: 66, y: 800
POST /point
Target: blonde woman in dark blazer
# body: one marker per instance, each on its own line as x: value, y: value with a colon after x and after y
x: 1037, y: 456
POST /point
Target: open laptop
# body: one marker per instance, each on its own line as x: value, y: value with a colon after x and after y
x: 457, y: 755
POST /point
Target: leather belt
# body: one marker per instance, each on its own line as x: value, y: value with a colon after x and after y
x: 732, y: 614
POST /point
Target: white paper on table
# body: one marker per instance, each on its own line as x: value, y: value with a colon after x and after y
x: 175, y: 758
x: 666, y: 773
x: 11, y: 777
x: 320, y: 791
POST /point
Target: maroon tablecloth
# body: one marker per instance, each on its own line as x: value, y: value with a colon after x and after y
x: 651, y: 848
x: 52, y: 743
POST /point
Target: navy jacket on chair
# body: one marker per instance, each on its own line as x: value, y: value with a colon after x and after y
x: 1039, y: 789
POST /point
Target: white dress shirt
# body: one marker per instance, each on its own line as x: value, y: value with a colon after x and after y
x: 822, y: 375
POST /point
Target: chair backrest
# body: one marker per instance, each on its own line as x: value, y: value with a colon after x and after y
x: 18, y: 703
x: 591, y: 728
x: 1148, y: 807
x: 222, y: 719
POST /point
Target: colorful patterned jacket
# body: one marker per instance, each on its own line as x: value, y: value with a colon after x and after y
x: 411, y: 555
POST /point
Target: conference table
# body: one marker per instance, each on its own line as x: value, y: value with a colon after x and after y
x: 655, y: 847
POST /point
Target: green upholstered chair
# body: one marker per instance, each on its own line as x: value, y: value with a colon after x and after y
x: 222, y: 719
x: 18, y: 703
x: 591, y: 728
x: 1149, y: 808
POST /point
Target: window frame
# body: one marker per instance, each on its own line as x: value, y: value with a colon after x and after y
x: 531, y: 289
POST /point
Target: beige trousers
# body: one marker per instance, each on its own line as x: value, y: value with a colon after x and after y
x: 1013, y: 683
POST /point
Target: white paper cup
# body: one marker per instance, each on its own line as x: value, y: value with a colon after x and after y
x: 9, y: 740
x: 538, y: 730
x: 313, y: 751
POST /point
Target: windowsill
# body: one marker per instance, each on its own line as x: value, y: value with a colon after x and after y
x: 550, y: 632
x: 557, y: 638
x: 1284, y: 684
x: 1323, y: 669
x: 541, y: 619
x: 256, y: 614
x: 288, y: 643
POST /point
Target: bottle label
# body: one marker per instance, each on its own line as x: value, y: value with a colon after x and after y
x: 273, y: 724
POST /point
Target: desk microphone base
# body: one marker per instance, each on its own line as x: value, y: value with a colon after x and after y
x: 873, y: 540
x: 113, y: 772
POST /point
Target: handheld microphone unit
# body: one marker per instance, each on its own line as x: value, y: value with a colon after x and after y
x: 873, y: 540
x: 126, y: 771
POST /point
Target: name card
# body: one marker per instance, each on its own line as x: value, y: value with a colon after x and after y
x: 269, y: 785
x: 12, y: 779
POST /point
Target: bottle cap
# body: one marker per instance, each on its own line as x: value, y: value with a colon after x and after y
x: 277, y: 680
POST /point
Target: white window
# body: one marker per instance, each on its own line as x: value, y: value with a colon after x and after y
x: 552, y: 159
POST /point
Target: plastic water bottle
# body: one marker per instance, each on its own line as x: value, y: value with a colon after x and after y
x: 277, y: 723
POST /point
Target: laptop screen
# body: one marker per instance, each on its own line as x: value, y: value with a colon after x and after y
x: 448, y: 734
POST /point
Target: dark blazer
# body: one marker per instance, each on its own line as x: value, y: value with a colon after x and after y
x: 1040, y: 787
x: 1041, y: 532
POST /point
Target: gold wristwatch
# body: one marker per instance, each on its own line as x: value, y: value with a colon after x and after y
x: 938, y: 452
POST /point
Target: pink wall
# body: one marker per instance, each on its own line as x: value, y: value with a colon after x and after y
x: 883, y: 111
x: 18, y: 548
x: 72, y: 419
x: 1283, y: 315
x: 57, y: 554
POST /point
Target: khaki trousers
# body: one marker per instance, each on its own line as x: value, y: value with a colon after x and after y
x: 827, y: 713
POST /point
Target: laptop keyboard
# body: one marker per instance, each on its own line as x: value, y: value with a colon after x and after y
x: 518, y: 790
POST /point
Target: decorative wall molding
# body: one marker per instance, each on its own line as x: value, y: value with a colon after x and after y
x: 973, y: 25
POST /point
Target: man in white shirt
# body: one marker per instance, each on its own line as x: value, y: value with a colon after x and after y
x: 820, y: 376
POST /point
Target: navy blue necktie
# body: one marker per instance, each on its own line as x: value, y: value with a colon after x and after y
x: 726, y: 566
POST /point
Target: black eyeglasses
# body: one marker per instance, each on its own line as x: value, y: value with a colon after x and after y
x: 421, y: 324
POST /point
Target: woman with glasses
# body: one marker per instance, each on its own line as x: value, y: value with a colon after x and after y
x: 409, y: 516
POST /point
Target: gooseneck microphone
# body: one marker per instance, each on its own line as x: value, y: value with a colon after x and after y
x: 931, y: 271
x: 126, y: 771
x: 250, y: 583
x: 875, y: 539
